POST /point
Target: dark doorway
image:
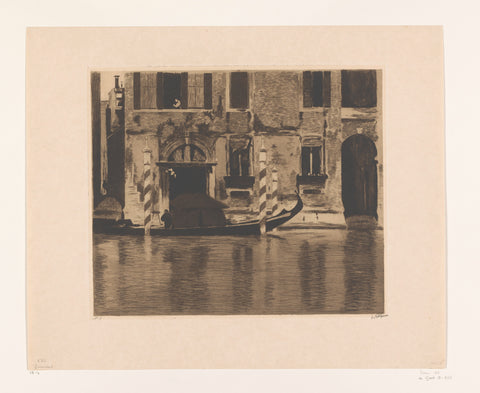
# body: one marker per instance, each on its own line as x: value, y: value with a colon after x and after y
x: 359, y: 176
x: 187, y: 180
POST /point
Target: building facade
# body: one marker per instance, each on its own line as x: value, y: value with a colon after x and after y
x: 322, y: 130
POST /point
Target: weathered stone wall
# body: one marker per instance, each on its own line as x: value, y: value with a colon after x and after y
x: 283, y: 153
x: 276, y: 98
x: 276, y: 113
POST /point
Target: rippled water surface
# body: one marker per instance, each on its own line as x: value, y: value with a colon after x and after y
x: 289, y: 272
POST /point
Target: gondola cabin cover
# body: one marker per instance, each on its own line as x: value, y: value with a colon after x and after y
x: 197, y: 210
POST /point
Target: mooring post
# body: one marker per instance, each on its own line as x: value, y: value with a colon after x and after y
x: 262, y: 195
x: 147, y: 189
x: 274, y: 191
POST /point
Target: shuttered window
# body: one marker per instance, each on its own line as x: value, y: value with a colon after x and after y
x: 161, y: 90
x: 359, y: 89
x: 239, y: 90
x: 195, y: 90
x: 172, y: 90
x: 316, y: 89
x: 148, y: 89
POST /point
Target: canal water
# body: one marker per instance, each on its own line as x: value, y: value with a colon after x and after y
x: 311, y: 271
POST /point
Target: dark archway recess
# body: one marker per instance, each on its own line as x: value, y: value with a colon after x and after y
x: 359, y: 177
x: 188, y: 180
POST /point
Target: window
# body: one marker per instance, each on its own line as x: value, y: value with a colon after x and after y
x: 239, y: 165
x: 316, y: 89
x: 172, y: 90
x: 239, y: 90
x: 312, y: 161
x: 359, y: 89
x: 239, y: 162
x: 187, y: 153
x: 159, y: 90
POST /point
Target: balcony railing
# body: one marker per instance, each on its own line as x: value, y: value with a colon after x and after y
x: 312, y: 180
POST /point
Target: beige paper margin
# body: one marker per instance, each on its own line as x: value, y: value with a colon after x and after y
x: 62, y: 333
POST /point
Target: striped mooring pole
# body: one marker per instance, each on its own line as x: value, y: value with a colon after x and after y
x: 147, y: 189
x: 274, y: 190
x: 262, y: 195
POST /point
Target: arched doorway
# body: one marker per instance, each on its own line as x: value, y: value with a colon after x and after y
x: 359, y: 177
x: 188, y: 168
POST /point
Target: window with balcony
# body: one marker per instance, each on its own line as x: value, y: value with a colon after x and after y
x: 239, y: 165
x: 312, y: 166
x: 163, y: 90
x: 316, y: 89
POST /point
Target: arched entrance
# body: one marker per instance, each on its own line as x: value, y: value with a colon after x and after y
x: 359, y: 177
x: 188, y: 169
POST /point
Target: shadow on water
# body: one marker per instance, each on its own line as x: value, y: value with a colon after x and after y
x: 188, y: 288
x: 311, y: 264
x: 360, y: 262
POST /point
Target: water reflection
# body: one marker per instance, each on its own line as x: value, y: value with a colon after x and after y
x: 269, y: 275
x: 360, y: 263
x: 242, y: 278
x: 299, y: 272
x: 187, y: 289
x: 312, y: 276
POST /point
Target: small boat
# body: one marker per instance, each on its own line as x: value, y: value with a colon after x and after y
x: 125, y: 227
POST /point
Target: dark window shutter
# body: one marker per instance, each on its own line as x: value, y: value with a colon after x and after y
x: 239, y: 90
x: 307, y: 89
x: 184, y: 89
x: 136, y: 90
x: 359, y: 89
x: 305, y: 160
x: 207, y: 91
x: 160, y: 104
x: 317, y: 89
x: 326, y: 89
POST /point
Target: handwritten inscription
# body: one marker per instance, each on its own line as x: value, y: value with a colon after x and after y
x: 433, y: 375
x: 378, y: 316
x: 42, y: 364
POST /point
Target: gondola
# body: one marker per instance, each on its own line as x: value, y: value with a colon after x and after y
x: 125, y: 227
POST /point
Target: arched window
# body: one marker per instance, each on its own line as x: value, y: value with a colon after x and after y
x: 239, y: 162
x: 187, y: 153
